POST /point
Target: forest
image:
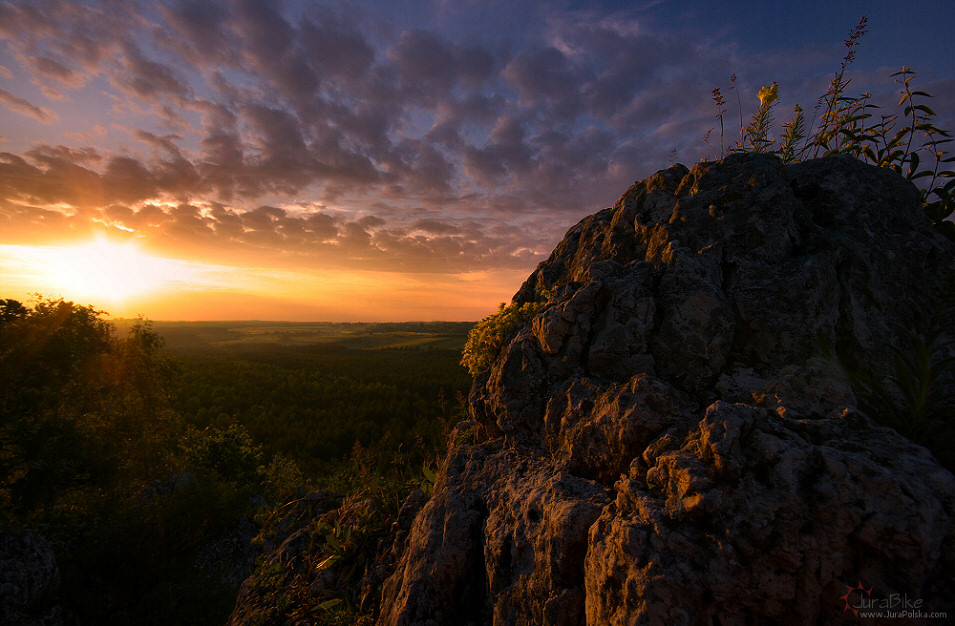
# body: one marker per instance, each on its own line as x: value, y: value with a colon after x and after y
x: 133, y: 446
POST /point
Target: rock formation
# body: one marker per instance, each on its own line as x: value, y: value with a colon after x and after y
x: 672, y: 438
x: 29, y: 577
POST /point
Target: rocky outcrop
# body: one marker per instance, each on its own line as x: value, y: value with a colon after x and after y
x: 672, y: 438
x: 29, y: 578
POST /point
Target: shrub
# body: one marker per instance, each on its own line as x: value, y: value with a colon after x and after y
x: 80, y: 407
x: 487, y: 338
x: 227, y: 454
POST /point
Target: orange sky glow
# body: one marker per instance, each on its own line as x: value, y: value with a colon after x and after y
x: 383, y: 160
x: 126, y: 281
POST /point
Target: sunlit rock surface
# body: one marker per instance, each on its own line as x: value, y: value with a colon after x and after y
x: 670, y: 441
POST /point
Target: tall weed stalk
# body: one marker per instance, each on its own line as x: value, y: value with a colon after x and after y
x: 908, y: 141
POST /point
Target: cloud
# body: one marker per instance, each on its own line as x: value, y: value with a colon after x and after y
x: 334, y: 134
x: 333, y: 43
x: 50, y: 176
x: 544, y: 75
x: 127, y: 180
x: 426, y: 64
x: 274, y: 236
x: 25, y: 107
x: 52, y: 69
x: 197, y: 30
x: 146, y: 78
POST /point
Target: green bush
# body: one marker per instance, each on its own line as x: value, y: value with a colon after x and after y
x: 86, y: 423
x: 80, y: 408
x: 487, y: 338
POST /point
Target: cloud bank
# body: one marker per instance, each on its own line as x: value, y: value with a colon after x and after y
x: 369, y: 136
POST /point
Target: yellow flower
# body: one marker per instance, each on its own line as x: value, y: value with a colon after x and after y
x: 768, y: 95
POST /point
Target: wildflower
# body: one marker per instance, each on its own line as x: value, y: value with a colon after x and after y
x: 768, y: 95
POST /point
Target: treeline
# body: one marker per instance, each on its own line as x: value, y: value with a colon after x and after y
x: 132, y: 462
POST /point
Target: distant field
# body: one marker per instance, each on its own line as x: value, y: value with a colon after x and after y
x: 242, y: 336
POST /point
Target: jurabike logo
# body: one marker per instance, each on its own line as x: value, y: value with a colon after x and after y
x: 862, y: 604
x: 852, y: 595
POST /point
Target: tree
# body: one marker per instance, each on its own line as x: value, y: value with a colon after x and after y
x: 75, y: 401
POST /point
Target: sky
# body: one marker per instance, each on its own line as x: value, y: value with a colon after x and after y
x: 381, y: 160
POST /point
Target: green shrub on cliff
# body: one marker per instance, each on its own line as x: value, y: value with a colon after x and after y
x: 486, y: 339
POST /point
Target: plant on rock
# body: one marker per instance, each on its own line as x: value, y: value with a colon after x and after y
x: 908, y: 142
x: 486, y: 339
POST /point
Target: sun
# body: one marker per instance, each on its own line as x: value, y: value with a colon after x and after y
x: 103, y: 270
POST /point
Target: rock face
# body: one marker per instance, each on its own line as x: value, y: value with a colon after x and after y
x: 669, y: 441
x: 28, y: 580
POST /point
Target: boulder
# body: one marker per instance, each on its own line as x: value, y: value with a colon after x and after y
x: 676, y: 436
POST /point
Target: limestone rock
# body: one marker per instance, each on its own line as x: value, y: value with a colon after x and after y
x: 672, y: 440
x: 29, y: 577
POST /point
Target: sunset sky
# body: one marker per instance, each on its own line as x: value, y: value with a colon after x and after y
x: 378, y: 161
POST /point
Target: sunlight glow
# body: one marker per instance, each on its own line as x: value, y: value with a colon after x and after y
x: 102, y: 270
x: 125, y: 281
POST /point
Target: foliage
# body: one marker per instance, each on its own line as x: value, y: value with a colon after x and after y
x: 364, y: 420
x: 132, y: 460
x: 312, y: 405
x: 94, y: 423
x: 75, y: 401
x: 908, y: 142
x: 840, y: 111
x: 226, y: 453
x: 335, y: 579
x: 427, y: 485
x: 323, y: 583
x: 135, y: 562
x: 86, y: 425
x: 721, y: 109
x: 488, y: 336
x: 918, y: 397
x: 793, y: 132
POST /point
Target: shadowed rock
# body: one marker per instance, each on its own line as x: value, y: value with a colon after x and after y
x: 670, y: 440
x: 29, y: 578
